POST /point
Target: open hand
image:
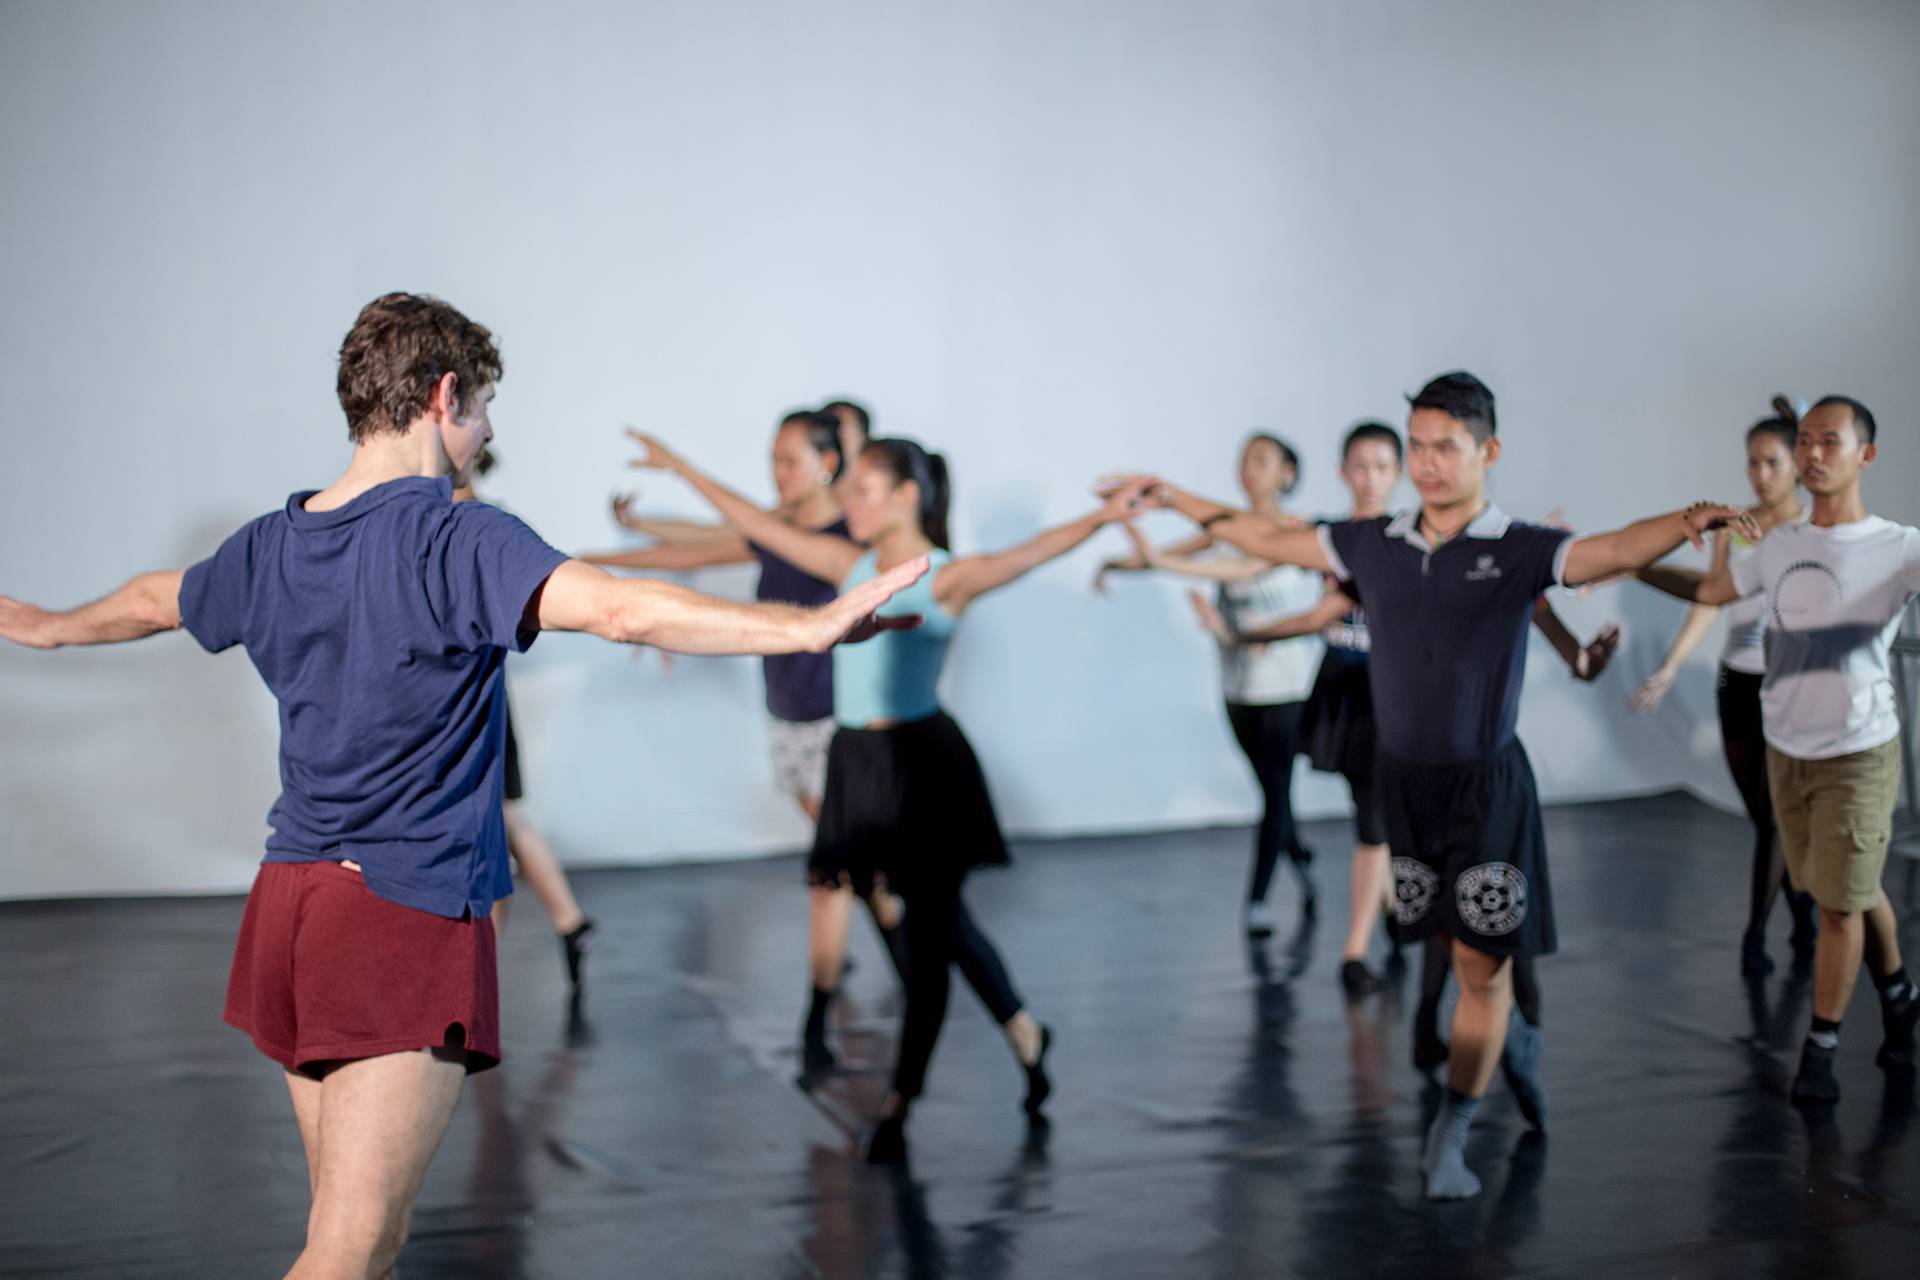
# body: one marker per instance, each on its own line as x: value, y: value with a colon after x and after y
x: 1211, y: 618
x: 1702, y: 517
x: 654, y: 454
x: 1652, y: 691
x: 623, y: 510
x: 1134, y: 492
x: 1593, y: 659
x: 855, y: 616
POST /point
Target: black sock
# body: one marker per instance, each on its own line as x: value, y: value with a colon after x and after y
x: 1824, y: 1034
x: 1896, y: 988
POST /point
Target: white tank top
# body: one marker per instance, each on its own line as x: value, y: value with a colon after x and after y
x: 1279, y: 671
x: 1745, y: 650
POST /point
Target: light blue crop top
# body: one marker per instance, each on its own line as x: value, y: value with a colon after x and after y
x: 895, y: 675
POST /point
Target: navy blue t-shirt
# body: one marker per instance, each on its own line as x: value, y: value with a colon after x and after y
x: 1447, y: 628
x: 382, y: 628
x: 799, y: 685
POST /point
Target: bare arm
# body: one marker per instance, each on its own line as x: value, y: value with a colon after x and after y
x: 1258, y: 536
x: 1333, y: 606
x: 580, y: 597
x: 1699, y: 621
x: 965, y: 580
x: 148, y: 604
x: 1690, y: 584
x: 676, y: 532
x: 1645, y: 541
x: 826, y: 556
x: 729, y: 548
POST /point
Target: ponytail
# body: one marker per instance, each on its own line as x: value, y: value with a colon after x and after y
x: 906, y: 460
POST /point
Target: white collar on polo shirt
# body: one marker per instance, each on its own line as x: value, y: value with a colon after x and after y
x: 1492, y: 522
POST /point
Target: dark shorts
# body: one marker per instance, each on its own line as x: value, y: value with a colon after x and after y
x: 1470, y: 852
x: 326, y: 971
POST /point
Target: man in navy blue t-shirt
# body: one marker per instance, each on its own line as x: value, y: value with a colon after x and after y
x: 380, y: 612
x: 1450, y: 591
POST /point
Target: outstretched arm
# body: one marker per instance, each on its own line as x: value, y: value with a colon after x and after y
x: 1587, y: 661
x: 1645, y: 541
x: 1699, y: 621
x: 965, y: 580
x: 1333, y: 606
x: 1136, y: 563
x: 148, y: 604
x: 579, y: 597
x: 673, y: 532
x: 1690, y: 584
x: 826, y: 556
x: 728, y: 548
x: 1288, y: 541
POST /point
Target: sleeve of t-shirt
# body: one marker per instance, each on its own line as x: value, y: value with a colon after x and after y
x: 481, y: 571
x: 1913, y: 561
x: 214, y: 593
x: 1340, y: 543
x: 1543, y: 556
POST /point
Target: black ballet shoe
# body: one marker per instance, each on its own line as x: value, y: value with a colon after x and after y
x: 573, y: 950
x: 887, y: 1144
x: 1429, y: 1050
x: 1357, y: 980
x: 1897, y: 1021
x: 1753, y: 956
x: 1815, y: 1084
x: 1039, y: 1086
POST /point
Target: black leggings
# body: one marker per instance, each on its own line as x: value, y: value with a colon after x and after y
x: 1737, y: 695
x: 941, y: 933
x: 1269, y: 735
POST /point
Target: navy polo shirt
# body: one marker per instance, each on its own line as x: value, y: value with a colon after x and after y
x: 382, y: 628
x: 1449, y: 626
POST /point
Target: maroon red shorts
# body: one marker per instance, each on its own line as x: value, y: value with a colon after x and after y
x: 326, y: 970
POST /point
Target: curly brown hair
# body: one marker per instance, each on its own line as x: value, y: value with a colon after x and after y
x: 399, y: 348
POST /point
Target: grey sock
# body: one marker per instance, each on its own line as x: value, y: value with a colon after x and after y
x: 1520, y: 1063
x: 1445, y: 1161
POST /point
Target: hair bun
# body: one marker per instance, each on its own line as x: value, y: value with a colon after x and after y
x: 1784, y: 407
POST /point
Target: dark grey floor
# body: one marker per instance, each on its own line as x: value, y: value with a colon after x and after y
x: 1220, y: 1113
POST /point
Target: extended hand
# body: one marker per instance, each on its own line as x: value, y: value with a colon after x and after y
x: 654, y: 454
x: 26, y: 624
x: 1133, y: 492
x: 1210, y: 618
x: 1593, y: 659
x: 623, y: 510
x: 1702, y: 517
x: 854, y: 616
x: 1652, y: 691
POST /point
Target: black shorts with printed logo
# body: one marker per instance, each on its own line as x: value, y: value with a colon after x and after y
x: 1470, y: 852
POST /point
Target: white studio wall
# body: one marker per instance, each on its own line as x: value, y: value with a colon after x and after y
x: 1050, y: 239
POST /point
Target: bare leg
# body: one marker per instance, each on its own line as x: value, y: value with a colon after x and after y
x: 1882, y: 938
x: 381, y: 1119
x: 1836, y: 959
x: 1370, y: 876
x: 305, y: 1091
x: 827, y: 911
x: 542, y: 871
x: 1479, y: 1018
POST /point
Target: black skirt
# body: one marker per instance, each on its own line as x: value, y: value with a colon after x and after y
x: 1336, y: 731
x: 904, y: 807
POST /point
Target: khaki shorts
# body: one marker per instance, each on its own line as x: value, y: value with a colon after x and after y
x: 1836, y: 819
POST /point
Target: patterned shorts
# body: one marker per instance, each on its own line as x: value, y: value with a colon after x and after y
x: 800, y: 754
x: 1470, y: 852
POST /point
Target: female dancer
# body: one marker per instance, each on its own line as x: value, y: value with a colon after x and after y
x: 1776, y: 484
x: 906, y: 803
x: 1337, y: 727
x: 530, y: 853
x: 807, y: 468
x: 1265, y: 683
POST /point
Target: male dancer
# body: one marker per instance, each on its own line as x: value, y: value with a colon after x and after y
x: 380, y: 613
x: 1836, y: 587
x: 1450, y: 592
